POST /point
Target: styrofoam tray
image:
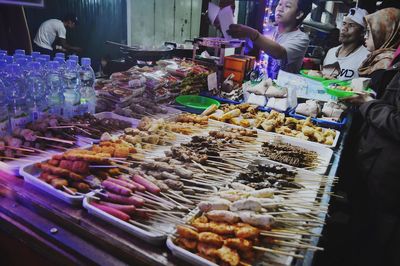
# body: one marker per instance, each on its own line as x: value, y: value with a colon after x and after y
x: 188, y: 256
x: 155, y: 238
x: 324, y: 153
x: 335, y: 141
x: 31, y: 173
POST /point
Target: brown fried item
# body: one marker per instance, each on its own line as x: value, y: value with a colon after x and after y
x: 211, y: 238
x: 246, y: 231
x: 81, y: 186
x: 53, y: 169
x: 187, y: 244
x: 186, y: 232
x: 207, y: 250
x: 222, y: 228
x: 59, y: 183
x: 228, y: 256
x: 54, y: 162
x: 239, y: 244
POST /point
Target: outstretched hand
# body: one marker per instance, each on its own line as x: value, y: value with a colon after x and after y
x: 241, y: 31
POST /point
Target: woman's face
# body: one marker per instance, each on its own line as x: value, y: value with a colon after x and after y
x: 369, y: 42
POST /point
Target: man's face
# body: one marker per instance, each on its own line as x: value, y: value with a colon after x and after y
x: 351, y: 32
x: 286, y: 11
x: 70, y: 24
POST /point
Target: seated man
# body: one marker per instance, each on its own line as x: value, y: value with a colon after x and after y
x: 351, y: 53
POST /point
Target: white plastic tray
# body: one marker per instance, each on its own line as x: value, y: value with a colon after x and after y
x: 155, y: 238
x: 324, y: 154
x: 335, y: 141
x: 103, y: 115
x: 31, y: 173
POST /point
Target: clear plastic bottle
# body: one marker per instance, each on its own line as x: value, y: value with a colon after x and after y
x: 37, y: 96
x: 4, y: 116
x: 88, y: 93
x: 71, y: 81
x: 54, y: 84
x: 16, y: 97
x: 4, y: 52
x: 23, y: 63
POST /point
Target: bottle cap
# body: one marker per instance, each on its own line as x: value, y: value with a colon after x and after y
x: 85, y: 61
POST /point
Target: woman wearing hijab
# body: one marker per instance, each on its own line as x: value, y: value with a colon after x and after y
x: 375, y: 192
x: 382, y: 37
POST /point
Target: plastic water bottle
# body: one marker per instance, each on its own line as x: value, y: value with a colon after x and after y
x: 71, y: 89
x: 88, y: 93
x: 54, y: 84
x: 4, y: 117
x: 19, y: 52
x: 4, y: 52
x: 23, y: 63
x: 37, y: 95
x: 16, y: 97
x: 29, y: 58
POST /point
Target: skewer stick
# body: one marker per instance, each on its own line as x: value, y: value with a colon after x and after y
x: 57, y: 140
x: 150, y: 228
x: 19, y: 149
x: 279, y: 252
x: 297, y: 245
x: 199, y: 166
x: 161, y: 211
x: 16, y: 159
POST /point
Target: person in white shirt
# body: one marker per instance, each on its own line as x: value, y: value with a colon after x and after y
x: 351, y: 53
x: 54, y: 31
x: 288, y: 45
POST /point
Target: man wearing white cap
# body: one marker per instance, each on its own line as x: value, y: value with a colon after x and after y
x: 351, y: 53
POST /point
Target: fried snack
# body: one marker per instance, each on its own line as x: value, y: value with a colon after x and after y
x: 187, y: 233
x: 211, y: 239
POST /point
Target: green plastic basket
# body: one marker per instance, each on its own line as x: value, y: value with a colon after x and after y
x: 304, y: 73
x: 196, y: 102
x: 336, y: 92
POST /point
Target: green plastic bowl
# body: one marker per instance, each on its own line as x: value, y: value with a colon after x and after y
x: 196, y: 102
x: 336, y: 92
x: 304, y: 73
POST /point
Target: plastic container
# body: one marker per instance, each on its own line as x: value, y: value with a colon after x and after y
x: 31, y: 173
x: 155, y: 238
x: 196, y: 102
x: 320, y: 122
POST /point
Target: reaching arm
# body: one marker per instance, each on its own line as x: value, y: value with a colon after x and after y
x: 66, y: 46
x: 269, y: 46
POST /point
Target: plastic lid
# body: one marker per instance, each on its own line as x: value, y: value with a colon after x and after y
x: 73, y: 56
x: 19, y: 51
x: 45, y: 56
x: 61, y: 55
x: 85, y: 61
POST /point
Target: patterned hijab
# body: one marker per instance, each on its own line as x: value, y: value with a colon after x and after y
x: 385, y: 30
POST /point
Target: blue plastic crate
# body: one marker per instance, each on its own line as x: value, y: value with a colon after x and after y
x: 320, y: 122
